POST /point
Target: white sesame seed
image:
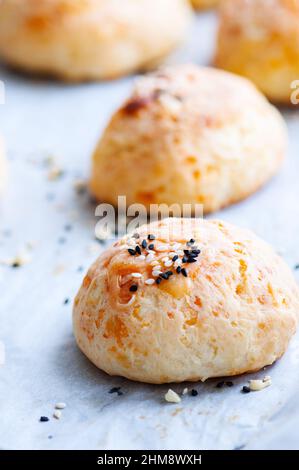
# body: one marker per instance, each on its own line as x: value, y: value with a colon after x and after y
x: 180, y: 252
x: 149, y: 258
x: 172, y: 254
x: 168, y: 263
x: 57, y: 414
x: 257, y: 385
x: 141, y: 257
x: 162, y: 248
x: 185, y: 391
x: 155, y: 263
x: 156, y: 273
x: 177, y: 263
x: 172, y: 397
x: 136, y: 275
x: 150, y: 282
x: 166, y: 258
x: 60, y: 406
x: 176, y: 246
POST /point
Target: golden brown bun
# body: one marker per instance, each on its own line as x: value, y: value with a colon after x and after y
x: 235, y: 311
x: 202, y: 4
x: 189, y: 135
x: 89, y: 39
x: 260, y: 40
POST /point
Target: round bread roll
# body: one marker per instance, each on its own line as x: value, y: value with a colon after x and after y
x: 202, y: 4
x: 3, y: 172
x: 231, y: 309
x: 89, y: 39
x: 260, y: 40
x: 189, y: 135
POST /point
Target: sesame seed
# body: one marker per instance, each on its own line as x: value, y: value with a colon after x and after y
x: 133, y: 288
x: 156, y: 273
x: 132, y: 252
x: 141, y: 257
x: 191, y: 260
x: 164, y: 276
x: 151, y: 237
x: 187, y: 252
x: 168, y: 263
x: 138, y: 249
x: 149, y: 258
x: 150, y: 282
x: 155, y: 263
x: 162, y: 248
x: 185, y: 391
x: 194, y: 393
x: 229, y: 384
x: 175, y: 258
x: 60, y: 406
x: 178, y: 269
x: 144, y: 244
x: 180, y: 252
x: 57, y: 414
x: 158, y: 281
x: 246, y: 389
x: 44, y: 419
x: 166, y: 258
x: 151, y: 246
x: 172, y: 397
x: 136, y: 275
x: 169, y: 273
x: 184, y: 272
x: 220, y: 384
x: 115, y: 390
x: 196, y: 252
x: 185, y: 259
x: 178, y: 262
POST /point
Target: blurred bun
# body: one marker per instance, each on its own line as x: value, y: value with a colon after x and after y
x: 189, y: 135
x: 260, y: 40
x: 89, y: 39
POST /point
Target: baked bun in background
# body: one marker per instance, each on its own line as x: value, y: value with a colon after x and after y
x: 233, y: 310
x: 260, y: 40
x: 202, y: 4
x: 90, y: 39
x: 189, y: 135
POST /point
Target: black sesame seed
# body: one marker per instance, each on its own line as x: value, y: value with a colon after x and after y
x: 296, y: 267
x: 185, y: 259
x: 133, y: 288
x: 169, y: 273
x: 158, y: 281
x: 132, y: 252
x: 151, y: 237
x: 229, y: 384
x: 195, y: 252
x: 191, y: 260
x: 175, y: 258
x: 66, y: 301
x: 144, y: 244
x: 220, y: 384
x: 192, y: 241
x: 115, y: 390
x: 44, y: 419
x: 187, y: 252
x: 246, y: 389
x: 184, y: 272
x: 138, y: 250
x: 136, y: 235
x: 15, y: 265
x: 178, y: 269
x: 194, y: 393
x: 151, y: 246
x: 164, y: 276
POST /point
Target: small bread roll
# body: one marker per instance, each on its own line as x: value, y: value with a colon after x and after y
x: 189, y: 135
x: 232, y: 308
x: 3, y: 169
x: 89, y: 39
x: 260, y: 40
x: 202, y: 4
